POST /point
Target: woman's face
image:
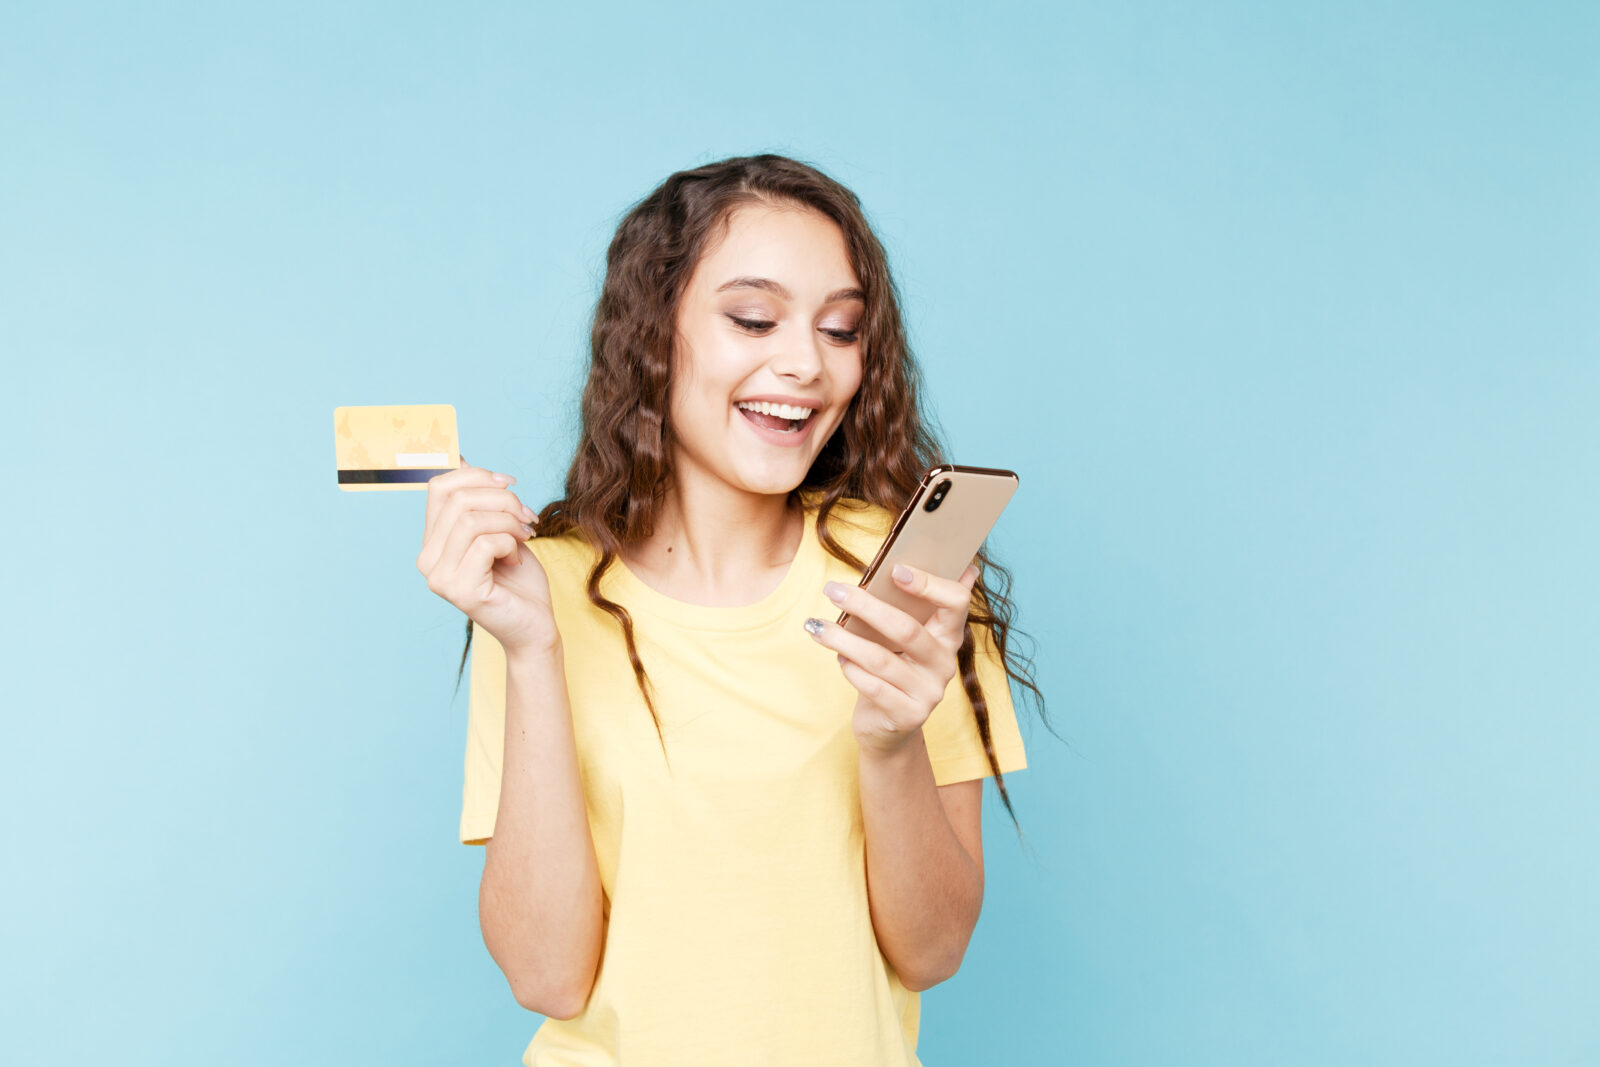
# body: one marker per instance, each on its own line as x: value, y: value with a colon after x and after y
x: 771, y: 316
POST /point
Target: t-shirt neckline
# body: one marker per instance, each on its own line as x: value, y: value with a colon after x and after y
x: 805, y: 570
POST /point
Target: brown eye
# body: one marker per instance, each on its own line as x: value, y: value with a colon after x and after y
x: 846, y: 336
x: 752, y: 324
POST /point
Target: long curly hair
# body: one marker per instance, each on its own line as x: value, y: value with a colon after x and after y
x: 623, y: 462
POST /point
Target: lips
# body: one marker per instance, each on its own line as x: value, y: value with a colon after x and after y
x: 785, y: 438
x: 773, y: 422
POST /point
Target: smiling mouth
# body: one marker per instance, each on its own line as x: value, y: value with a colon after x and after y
x: 771, y: 420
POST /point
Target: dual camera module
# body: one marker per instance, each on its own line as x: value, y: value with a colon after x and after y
x: 936, y: 497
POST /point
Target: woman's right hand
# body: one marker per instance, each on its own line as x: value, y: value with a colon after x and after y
x: 472, y: 555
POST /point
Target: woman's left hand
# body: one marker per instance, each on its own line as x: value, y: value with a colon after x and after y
x: 898, y: 691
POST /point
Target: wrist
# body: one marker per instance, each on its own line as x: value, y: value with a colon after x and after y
x: 535, y: 655
x: 879, y: 751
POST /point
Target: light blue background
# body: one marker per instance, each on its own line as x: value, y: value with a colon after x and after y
x: 1285, y: 313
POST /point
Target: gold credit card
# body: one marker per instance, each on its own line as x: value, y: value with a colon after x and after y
x: 394, y: 446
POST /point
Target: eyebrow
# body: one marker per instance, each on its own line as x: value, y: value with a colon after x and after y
x: 777, y: 287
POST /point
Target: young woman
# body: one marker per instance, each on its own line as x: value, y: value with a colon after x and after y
x: 718, y: 828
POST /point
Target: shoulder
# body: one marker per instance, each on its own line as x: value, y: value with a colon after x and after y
x: 564, y: 555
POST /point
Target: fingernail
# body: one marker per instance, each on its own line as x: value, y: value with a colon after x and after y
x: 506, y: 478
x: 528, y: 513
x: 902, y: 573
x: 834, y: 592
x: 813, y: 627
x: 527, y: 529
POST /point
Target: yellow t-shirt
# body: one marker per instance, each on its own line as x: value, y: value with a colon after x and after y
x: 735, y: 884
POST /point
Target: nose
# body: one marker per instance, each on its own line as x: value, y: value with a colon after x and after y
x: 800, y: 362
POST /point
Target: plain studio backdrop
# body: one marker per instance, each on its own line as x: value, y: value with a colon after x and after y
x: 1286, y: 315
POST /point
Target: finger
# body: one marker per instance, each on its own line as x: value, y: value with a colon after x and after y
x: 941, y: 592
x: 442, y: 486
x: 471, y: 497
x: 952, y: 600
x: 458, y: 568
x: 458, y: 565
x: 916, y: 679
x: 898, y: 626
x: 901, y: 706
x: 494, y: 498
x: 487, y: 548
x: 494, y: 548
x: 457, y: 503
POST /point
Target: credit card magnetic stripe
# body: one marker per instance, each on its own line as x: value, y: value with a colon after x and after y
x: 388, y: 477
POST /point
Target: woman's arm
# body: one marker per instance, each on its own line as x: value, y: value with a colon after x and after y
x: 924, y: 882
x: 539, y: 903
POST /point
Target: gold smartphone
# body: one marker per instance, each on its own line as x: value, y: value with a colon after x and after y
x: 940, y: 531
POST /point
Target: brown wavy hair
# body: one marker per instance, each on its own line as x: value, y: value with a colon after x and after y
x: 623, y: 462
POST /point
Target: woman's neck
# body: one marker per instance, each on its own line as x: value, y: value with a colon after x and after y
x: 716, y: 545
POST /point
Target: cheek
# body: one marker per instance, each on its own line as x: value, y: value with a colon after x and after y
x: 690, y: 370
x: 718, y: 363
x: 847, y: 373
x: 703, y: 381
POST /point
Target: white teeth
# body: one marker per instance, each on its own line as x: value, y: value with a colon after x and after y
x: 782, y: 411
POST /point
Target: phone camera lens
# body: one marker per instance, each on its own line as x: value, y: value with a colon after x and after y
x: 936, y: 497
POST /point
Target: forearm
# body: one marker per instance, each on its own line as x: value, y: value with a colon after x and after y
x: 923, y: 889
x: 540, y: 903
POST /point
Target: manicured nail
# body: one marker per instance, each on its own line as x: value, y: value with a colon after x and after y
x: 504, y: 478
x: 835, y: 592
x: 813, y: 627
x: 902, y: 573
x: 527, y: 529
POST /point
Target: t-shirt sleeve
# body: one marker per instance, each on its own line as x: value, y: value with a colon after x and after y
x: 951, y: 732
x: 486, y: 734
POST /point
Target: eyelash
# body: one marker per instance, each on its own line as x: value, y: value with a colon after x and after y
x: 846, y: 336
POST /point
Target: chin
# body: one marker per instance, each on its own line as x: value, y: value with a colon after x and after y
x: 770, y: 482
x: 771, y: 486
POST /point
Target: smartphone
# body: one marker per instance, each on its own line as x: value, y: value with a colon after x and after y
x: 940, y: 531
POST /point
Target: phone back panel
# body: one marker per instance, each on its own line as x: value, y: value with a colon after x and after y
x: 942, y: 541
